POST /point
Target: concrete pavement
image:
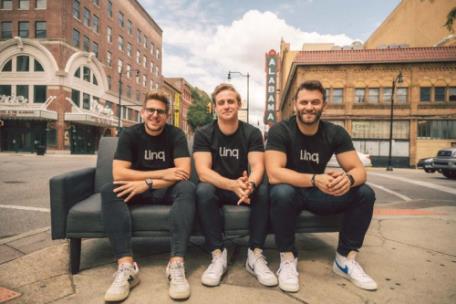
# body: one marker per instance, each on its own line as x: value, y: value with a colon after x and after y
x: 412, y: 255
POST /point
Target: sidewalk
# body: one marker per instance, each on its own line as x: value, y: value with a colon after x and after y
x: 412, y: 255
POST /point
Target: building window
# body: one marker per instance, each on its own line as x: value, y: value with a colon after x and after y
x: 96, y: 2
x: 121, y: 43
x: 128, y: 91
x: 77, y: 73
x: 86, y: 74
x: 6, y: 4
x: 5, y: 90
x: 22, y: 90
x: 151, y: 48
x: 145, y: 61
x: 145, y: 42
x: 76, y: 38
x: 40, y: 4
x: 373, y: 95
x: 157, y: 53
x: 95, y: 24
x: 151, y: 67
x: 138, y: 36
x: 119, y: 66
x: 144, y: 80
x: 360, y: 95
x: 120, y: 18
x: 387, y: 95
x: 37, y: 66
x: 437, y: 129
x: 23, y: 29
x: 76, y: 97
x: 439, y: 94
x: 22, y: 63
x: 109, y: 58
x: 337, y: 96
x: 138, y: 96
x: 128, y: 71
x: 425, y: 94
x: 137, y: 78
x: 94, y: 80
x: 138, y: 57
x: 40, y: 93
x: 86, y: 44
x: 8, y: 67
x: 109, y: 34
x: 95, y: 48
x: 76, y: 9
x: 24, y: 4
x: 86, y: 17
x: 109, y: 83
x: 110, y: 8
x: 7, y: 31
x: 401, y: 96
x: 129, y: 27
x: 129, y: 49
x: 40, y: 29
x: 452, y: 94
x: 86, y: 101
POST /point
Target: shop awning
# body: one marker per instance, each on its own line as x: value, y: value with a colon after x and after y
x: 92, y: 119
x: 30, y: 113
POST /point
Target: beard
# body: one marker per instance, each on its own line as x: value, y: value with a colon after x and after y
x: 315, y: 120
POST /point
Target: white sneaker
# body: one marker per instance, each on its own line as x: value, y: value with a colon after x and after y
x: 179, y: 289
x: 256, y: 264
x: 125, y: 278
x: 213, y: 274
x: 351, y: 270
x: 288, y: 274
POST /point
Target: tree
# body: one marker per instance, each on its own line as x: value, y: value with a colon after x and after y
x: 198, y: 114
x: 450, y: 19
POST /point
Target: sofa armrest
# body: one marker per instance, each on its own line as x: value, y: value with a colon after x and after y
x: 65, y: 191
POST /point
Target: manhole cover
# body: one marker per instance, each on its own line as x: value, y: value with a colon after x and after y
x: 7, y: 294
x: 13, y: 182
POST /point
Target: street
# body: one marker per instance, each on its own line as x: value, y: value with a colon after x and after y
x: 24, y: 188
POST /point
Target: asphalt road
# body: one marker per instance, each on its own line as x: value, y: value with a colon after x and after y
x: 24, y: 188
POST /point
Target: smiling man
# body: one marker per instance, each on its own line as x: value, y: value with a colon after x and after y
x: 297, y: 152
x: 223, y: 151
x: 151, y: 166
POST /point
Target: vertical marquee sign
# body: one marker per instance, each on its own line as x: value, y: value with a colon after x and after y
x: 271, y: 87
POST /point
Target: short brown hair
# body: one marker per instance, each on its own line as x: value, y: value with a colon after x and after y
x: 223, y: 87
x: 311, y: 85
x: 156, y: 96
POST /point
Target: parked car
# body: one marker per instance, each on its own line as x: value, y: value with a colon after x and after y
x: 427, y: 164
x: 365, y: 159
x: 445, y: 162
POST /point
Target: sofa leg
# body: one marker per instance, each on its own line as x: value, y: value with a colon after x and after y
x: 75, y: 255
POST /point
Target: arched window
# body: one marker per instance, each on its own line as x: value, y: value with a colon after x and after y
x: 23, y: 63
x: 87, y: 75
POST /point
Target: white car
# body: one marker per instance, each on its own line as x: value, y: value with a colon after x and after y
x: 365, y: 160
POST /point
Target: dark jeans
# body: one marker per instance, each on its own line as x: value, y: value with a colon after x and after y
x: 117, y: 218
x: 287, y: 202
x: 210, y: 201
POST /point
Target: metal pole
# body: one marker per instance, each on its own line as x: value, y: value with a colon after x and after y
x: 119, y: 112
x: 390, y: 167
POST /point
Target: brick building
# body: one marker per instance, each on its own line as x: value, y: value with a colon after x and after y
x: 61, y: 63
x: 184, y: 102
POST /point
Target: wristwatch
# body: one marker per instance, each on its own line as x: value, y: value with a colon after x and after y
x: 351, y: 179
x: 149, y: 182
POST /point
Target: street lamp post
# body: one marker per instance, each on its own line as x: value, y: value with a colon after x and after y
x: 119, y: 112
x: 248, y: 79
x: 396, y: 80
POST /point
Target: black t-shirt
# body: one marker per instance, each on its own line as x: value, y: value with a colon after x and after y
x: 146, y: 152
x: 229, y: 152
x: 308, y: 154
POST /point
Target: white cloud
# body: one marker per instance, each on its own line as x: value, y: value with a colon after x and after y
x: 207, y: 52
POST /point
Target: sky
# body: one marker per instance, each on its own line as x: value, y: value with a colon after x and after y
x: 204, y: 39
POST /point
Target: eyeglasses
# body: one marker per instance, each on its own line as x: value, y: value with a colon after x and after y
x: 152, y: 111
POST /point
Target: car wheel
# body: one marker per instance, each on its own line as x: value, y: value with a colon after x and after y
x: 429, y: 170
x: 449, y: 174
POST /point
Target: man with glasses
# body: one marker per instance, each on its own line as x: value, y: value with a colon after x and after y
x: 223, y: 150
x: 297, y: 152
x: 151, y: 166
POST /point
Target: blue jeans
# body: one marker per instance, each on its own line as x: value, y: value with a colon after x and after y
x: 287, y: 202
x: 210, y: 200
x: 117, y: 219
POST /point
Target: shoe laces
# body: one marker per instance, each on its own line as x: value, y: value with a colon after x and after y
x: 121, y: 275
x: 289, y: 269
x: 216, y: 263
x: 177, y: 273
x: 261, y: 264
x: 356, y: 270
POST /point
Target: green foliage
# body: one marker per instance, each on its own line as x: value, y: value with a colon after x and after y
x: 450, y: 19
x: 198, y: 114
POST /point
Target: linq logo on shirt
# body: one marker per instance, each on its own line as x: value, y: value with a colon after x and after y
x: 151, y: 155
x: 225, y: 152
x: 304, y: 155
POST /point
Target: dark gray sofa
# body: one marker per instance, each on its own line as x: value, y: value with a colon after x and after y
x: 76, y: 209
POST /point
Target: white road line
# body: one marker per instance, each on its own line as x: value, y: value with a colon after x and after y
x: 25, y: 208
x: 423, y: 184
x: 404, y: 197
x: 23, y: 235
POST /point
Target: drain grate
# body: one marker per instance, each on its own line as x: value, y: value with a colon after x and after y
x: 7, y: 294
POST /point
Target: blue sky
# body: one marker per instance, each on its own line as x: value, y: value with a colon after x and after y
x: 203, y: 40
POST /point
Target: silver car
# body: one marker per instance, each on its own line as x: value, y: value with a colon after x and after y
x: 445, y: 162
